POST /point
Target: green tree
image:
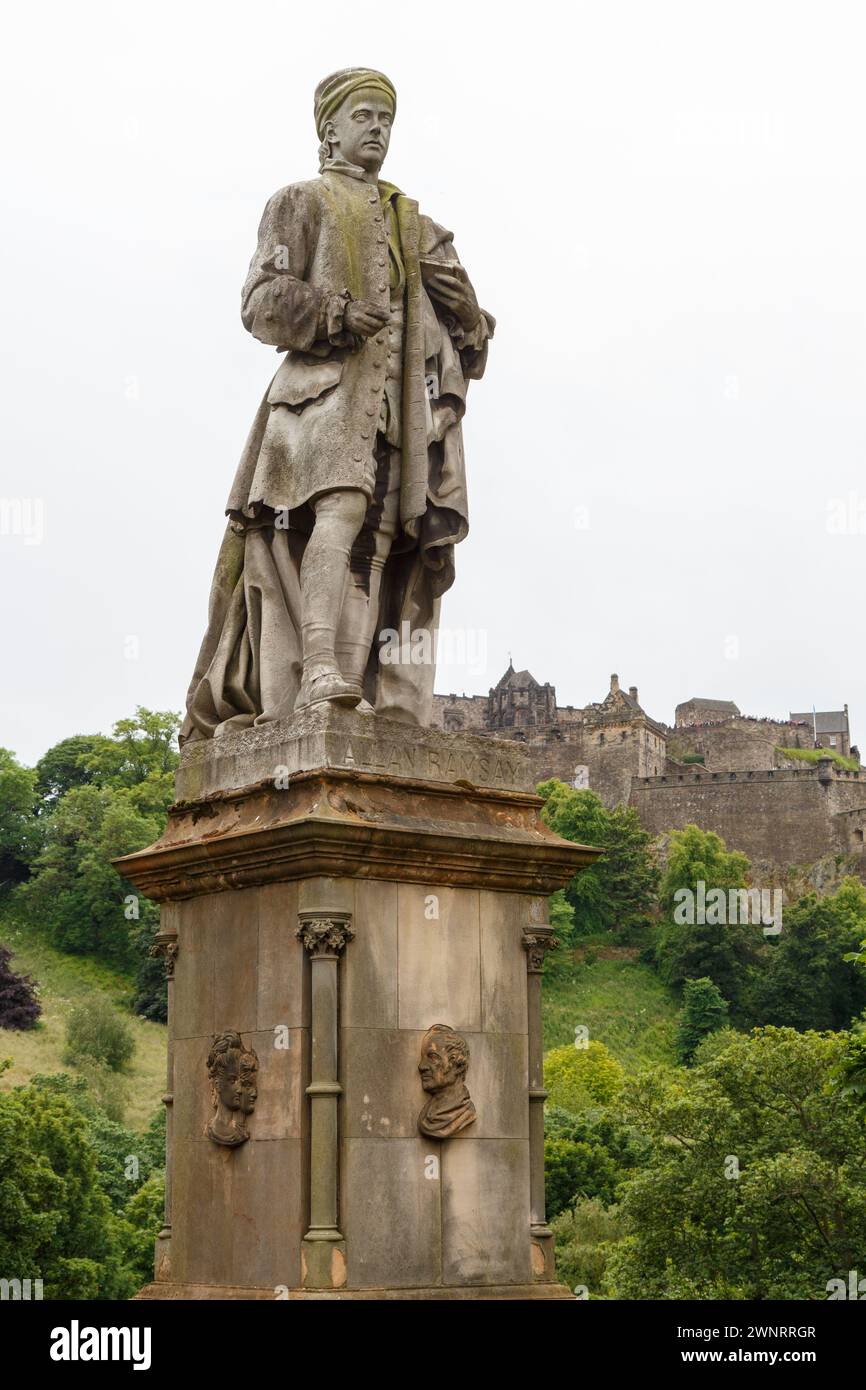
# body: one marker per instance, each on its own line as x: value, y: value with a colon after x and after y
x: 703, y: 1012
x: 151, y: 986
x: 65, y: 766
x: 721, y: 951
x: 75, y: 896
x: 56, y: 1223
x: 585, y: 1235
x: 578, y: 1078
x: 96, y: 1032
x: 125, y: 1158
x: 560, y: 961
x: 587, y: 1155
x: 808, y: 977
x: 756, y: 1185
x: 143, y: 1216
x: 17, y: 830
x: 573, y: 1170
x: 141, y: 749
x: 618, y: 892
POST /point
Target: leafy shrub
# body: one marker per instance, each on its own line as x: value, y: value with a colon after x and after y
x: 19, y: 1005
x: 704, y: 1010
x: 577, y: 1078
x: 95, y: 1032
x: 151, y: 985
x: 808, y: 977
x: 113, y: 1145
x: 791, y: 1216
x: 143, y: 1215
x: 617, y: 893
x: 56, y: 1223
x: 722, y: 951
x: 584, y: 1236
x: 574, y: 1170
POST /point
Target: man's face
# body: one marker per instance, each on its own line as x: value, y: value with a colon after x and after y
x: 362, y: 129
x: 435, y: 1066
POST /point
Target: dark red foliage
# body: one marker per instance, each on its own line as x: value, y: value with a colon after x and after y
x: 19, y: 1007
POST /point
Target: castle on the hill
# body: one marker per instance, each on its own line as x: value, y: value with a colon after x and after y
x: 723, y: 770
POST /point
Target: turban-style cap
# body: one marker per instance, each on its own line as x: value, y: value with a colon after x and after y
x: 332, y: 92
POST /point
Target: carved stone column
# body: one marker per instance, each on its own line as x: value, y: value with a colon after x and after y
x: 537, y: 940
x: 324, y: 936
x: 166, y: 945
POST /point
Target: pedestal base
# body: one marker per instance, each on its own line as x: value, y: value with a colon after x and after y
x: 333, y: 891
x: 460, y: 1293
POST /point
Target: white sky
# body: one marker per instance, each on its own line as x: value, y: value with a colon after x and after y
x: 663, y: 204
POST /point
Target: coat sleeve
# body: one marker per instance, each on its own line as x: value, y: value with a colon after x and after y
x: 277, y: 305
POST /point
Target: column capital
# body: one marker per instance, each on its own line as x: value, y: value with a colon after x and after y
x: 324, y: 934
x: 537, y: 940
x: 165, y: 944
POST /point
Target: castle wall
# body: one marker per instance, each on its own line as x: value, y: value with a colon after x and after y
x: 786, y: 816
x: 739, y: 744
x: 453, y: 712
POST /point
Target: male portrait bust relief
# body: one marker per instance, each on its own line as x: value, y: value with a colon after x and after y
x: 350, y: 495
x: 443, y: 1066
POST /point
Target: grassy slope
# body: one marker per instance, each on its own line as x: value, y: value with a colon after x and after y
x: 62, y: 981
x: 623, y: 1004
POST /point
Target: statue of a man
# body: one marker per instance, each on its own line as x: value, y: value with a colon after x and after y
x: 351, y: 492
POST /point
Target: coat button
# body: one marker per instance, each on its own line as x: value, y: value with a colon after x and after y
x: 359, y: 458
x: 365, y: 434
x: 268, y: 315
x: 368, y: 411
x: 382, y: 288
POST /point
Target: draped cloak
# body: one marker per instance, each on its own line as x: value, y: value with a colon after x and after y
x: 321, y: 243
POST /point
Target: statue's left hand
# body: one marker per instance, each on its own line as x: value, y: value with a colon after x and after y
x: 456, y: 293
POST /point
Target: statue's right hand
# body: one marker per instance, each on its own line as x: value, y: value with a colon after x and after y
x: 364, y: 318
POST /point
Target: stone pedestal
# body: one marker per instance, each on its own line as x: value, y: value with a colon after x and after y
x: 331, y: 888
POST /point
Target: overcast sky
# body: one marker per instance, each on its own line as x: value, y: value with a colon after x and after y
x: 663, y: 204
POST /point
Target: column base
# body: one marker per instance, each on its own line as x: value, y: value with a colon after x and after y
x: 162, y: 1255
x: 542, y: 1250
x: 323, y: 1262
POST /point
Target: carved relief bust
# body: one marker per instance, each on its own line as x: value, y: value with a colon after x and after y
x: 232, y: 1069
x: 443, y: 1066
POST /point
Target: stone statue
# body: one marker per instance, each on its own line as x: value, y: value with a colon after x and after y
x: 443, y: 1066
x: 351, y: 491
x: 232, y: 1069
